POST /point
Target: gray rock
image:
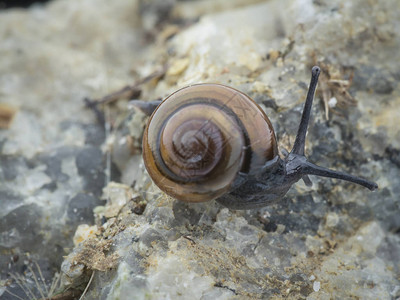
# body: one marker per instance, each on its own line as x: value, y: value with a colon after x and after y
x: 334, y: 240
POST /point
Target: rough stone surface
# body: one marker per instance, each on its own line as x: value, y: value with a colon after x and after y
x: 58, y: 164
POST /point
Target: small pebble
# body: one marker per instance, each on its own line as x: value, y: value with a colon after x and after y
x: 316, y: 286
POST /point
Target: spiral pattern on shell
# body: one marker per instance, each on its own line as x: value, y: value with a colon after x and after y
x: 200, y: 138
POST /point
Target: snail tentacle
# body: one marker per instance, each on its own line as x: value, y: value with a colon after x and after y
x: 147, y: 107
x: 312, y: 169
x: 300, y: 141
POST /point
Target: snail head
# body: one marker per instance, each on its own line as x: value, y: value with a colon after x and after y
x: 296, y: 164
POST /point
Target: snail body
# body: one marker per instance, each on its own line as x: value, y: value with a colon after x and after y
x: 210, y: 141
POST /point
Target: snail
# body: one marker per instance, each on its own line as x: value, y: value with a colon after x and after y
x: 211, y: 141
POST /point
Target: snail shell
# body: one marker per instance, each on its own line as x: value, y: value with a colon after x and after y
x: 201, y: 137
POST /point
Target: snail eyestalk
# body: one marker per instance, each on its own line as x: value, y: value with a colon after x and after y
x: 300, y: 141
x: 296, y: 162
